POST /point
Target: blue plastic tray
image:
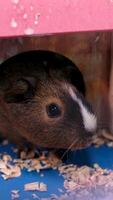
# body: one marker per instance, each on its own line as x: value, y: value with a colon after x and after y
x: 102, y: 155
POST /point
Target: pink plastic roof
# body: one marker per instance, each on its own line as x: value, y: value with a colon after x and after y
x: 27, y: 17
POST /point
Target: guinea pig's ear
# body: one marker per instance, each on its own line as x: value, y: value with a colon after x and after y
x: 75, y: 76
x: 21, y: 90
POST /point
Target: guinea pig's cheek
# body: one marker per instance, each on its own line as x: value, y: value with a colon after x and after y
x: 19, y: 114
x: 51, y: 121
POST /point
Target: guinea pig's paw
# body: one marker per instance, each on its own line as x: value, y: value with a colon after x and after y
x: 26, y: 153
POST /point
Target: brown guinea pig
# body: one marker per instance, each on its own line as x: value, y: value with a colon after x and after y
x: 42, y: 102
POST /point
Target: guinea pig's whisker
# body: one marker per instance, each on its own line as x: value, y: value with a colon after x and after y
x: 67, y: 150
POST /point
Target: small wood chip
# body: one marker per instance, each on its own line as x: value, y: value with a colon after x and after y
x: 15, y: 194
x: 35, y: 186
x: 7, y: 169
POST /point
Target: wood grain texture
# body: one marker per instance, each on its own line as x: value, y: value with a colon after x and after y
x: 111, y: 86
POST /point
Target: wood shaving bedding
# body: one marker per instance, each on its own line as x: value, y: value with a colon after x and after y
x: 86, y: 177
x: 79, y: 182
x: 35, y: 196
x: 35, y: 186
x: 12, y: 168
x: 43, y: 162
x: 15, y: 194
x: 8, y: 170
x: 83, y: 195
x: 103, y: 137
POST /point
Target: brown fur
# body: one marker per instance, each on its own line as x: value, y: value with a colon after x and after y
x: 28, y: 83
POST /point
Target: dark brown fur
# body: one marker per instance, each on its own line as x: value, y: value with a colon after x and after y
x: 29, y: 82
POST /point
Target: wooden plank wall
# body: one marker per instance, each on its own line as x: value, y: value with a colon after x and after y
x: 111, y: 87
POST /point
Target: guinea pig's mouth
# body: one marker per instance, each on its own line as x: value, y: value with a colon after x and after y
x: 63, y: 153
x: 81, y: 144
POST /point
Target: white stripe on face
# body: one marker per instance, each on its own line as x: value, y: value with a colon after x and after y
x: 89, y: 119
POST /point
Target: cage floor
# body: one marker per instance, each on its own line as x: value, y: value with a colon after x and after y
x: 102, y: 155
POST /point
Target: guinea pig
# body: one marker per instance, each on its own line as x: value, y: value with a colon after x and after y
x: 42, y: 102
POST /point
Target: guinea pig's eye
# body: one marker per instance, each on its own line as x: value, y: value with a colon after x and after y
x: 53, y: 110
